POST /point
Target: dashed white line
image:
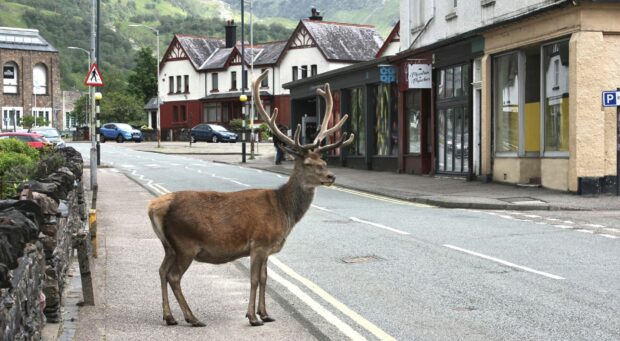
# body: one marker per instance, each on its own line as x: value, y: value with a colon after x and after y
x: 500, y: 261
x: 585, y: 231
x: 532, y: 216
x: 322, y: 208
x: 378, y: 225
x: 594, y: 225
x: 563, y: 226
x: 608, y: 236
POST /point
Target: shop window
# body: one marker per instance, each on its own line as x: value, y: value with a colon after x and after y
x: 10, y: 78
x: 170, y: 84
x: 358, y: 122
x: 334, y: 119
x: 506, y: 102
x: 39, y: 79
x: 414, y: 121
x: 386, y: 124
x: 555, y: 96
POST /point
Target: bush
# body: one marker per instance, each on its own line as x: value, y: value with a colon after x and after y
x: 265, y: 132
x: 235, y: 125
x: 18, y: 163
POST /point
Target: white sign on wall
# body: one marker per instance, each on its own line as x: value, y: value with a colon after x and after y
x: 419, y: 76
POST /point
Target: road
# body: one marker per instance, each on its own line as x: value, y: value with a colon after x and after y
x: 363, y: 266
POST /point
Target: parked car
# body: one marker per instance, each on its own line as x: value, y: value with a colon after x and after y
x: 120, y: 132
x: 33, y: 140
x: 51, y: 134
x: 211, y: 133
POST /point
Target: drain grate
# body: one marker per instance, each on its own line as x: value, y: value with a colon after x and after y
x: 361, y: 259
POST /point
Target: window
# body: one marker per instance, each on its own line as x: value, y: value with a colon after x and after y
x: 233, y: 80
x: 214, y: 82
x: 10, y: 78
x: 265, y: 82
x: 171, y: 84
x: 175, y: 114
x: 414, y: 120
x: 313, y: 70
x: 11, y: 117
x: 417, y: 15
x: 358, y: 122
x: 210, y: 114
x: 179, y: 84
x: 186, y: 83
x: 295, y: 73
x: 39, y: 79
x: 245, y: 79
x: 304, y: 72
x: 555, y: 96
x: 386, y: 120
x: 183, y: 114
x: 506, y: 102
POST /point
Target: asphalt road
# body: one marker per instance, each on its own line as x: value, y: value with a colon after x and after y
x: 363, y: 266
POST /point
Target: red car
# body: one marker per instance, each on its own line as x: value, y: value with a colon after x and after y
x: 33, y: 140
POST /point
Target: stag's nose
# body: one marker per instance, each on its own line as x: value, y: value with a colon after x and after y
x: 331, y: 177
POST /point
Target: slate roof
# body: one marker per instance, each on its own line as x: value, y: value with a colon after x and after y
x: 217, y: 60
x: 264, y: 54
x: 151, y: 104
x: 270, y: 53
x: 199, y: 49
x: 23, y: 39
x: 344, y: 42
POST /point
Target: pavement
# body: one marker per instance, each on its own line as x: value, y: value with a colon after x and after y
x: 441, y: 191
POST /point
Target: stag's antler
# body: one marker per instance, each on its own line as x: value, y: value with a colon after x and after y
x: 295, y: 145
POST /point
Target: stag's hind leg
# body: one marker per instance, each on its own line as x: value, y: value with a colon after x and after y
x: 262, y: 309
x: 257, y: 259
x: 177, y: 270
x: 166, y: 264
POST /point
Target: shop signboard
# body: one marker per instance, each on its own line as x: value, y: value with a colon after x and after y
x: 419, y: 76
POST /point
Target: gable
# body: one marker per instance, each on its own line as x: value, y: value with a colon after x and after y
x: 175, y: 52
x: 302, y: 39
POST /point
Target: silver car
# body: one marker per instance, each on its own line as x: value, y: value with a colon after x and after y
x: 51, y: 134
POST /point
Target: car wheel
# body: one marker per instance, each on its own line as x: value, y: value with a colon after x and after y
x: 102, y: 138
x: 120, y: 139
x: 192, y: 139
x: 214, y: 139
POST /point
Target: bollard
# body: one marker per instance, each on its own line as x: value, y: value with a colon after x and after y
x: 84, y: 263
x: 92, y: 227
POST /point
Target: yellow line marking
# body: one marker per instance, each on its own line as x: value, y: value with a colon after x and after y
x: 378, y: 197
x: 369, y: 326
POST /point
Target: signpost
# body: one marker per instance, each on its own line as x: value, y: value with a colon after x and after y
x: 612, y: 99
x: 93, y: 78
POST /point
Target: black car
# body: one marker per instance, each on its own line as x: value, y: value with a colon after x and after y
x: 211, y: 133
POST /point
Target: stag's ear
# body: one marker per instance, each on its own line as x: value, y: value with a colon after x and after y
x: 293, y: 151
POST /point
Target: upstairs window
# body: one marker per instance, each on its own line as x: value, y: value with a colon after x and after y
x: 214, y: 82
x: 178, y: 84
x: 313, y: 70
x: 304, y: 71
x: 265, y: 82
x: 39, y: 79
x: 171, y: 84
x: 245, y: 79
x: 295, y: 73
x: 186, y: 84
x: 233, y: 80
x: 10, y: 78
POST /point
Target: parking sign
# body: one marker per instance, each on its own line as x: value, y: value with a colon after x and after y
x: 611, y: 98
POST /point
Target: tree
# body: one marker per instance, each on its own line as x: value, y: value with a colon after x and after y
x: 117, y: 106
x: 80, y: 111
x: 29, y: 122
x: 143, y: 78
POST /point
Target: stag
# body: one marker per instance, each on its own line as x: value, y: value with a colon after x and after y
x: 217, y: 227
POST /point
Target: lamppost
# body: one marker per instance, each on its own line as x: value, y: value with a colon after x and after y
x: 87, y: 67
x: 156, y: 80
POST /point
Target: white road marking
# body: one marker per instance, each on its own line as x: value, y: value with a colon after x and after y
x: 552, y: 219
x: 567, y: 222
x: 594, y: 225
x: 321, y: 208
x: 505, y: 216
x: 608, y: 236
x: 541, y: 223
x: 279, y: 176
x: 564, y: 226
x: 378, y: 225
x: 361, y: 321
x: 532, y: 216
x: 239, y: 183
x: 500, y: 261
x: 376, y: 197
x: 612, y: 229
x: 585, y: 231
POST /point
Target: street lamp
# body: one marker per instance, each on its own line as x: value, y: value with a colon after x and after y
x: 156, y: 79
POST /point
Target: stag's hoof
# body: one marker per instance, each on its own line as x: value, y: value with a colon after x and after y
x: 196, y: 323
x: 267, y: 318
x: 254, y: 322
x: 171, y: 321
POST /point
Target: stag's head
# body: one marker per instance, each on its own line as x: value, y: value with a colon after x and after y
x: 307, y: 156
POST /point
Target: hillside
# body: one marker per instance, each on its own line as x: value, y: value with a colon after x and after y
x: 67, y: 23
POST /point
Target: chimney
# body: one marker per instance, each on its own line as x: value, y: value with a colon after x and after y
x: 231, y: 33
x: 316, y: 15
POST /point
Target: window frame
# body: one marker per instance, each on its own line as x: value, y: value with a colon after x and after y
x: 214, y: 82
x: 45, y: 74
x: 295, y: 72
x: 186, y: 84
x: 233, y: 80
x: 179, y: 84
x: 313, y: 70
x: 170, y: 85
x: 265, y: 82
x: 15, y: 67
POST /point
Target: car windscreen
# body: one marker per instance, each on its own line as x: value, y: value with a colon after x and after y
x: 47, y: 133
x: 123, y: 126
x: 218, y: 128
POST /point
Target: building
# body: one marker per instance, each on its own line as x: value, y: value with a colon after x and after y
x: 30, y: 79
x: 201, y: 78
x: 483, y: 90
x: 69, y: 98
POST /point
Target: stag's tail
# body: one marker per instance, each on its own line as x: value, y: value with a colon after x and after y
x: 157, y: 209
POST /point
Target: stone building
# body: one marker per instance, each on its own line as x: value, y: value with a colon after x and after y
x: 30, y: 79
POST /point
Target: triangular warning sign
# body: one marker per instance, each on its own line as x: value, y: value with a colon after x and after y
x: 93, y: 78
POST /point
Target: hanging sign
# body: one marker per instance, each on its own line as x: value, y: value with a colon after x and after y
x: 387, y: 74
x: 419, y: 76
x: 93, y: 78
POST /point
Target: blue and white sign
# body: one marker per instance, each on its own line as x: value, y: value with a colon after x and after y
x: 611, y: 98
x: 387, y: 74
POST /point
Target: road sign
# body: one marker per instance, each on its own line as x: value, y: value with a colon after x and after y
x: 93, y: 78
x: 611, y: 98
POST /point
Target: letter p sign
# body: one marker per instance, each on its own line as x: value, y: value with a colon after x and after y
x: 611, y: 98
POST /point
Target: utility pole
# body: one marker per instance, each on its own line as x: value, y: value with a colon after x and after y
x: 93, y: 55
x: 242, y: 85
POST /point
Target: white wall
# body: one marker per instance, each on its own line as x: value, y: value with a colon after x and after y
x: 302, y: 57
x: 181, y: 68
x: 448, y: 21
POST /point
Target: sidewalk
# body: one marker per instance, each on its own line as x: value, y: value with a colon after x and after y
x: 438, y: 191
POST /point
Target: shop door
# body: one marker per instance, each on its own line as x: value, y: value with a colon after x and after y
x: 453, y: 120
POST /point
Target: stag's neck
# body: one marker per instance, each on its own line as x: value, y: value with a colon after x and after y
x: 295, y: 198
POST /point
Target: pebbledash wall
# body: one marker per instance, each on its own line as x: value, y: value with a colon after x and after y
x: 588, y: 165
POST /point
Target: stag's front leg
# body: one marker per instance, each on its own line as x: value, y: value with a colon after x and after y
x: 262, y: 309
x: 257, y: 259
